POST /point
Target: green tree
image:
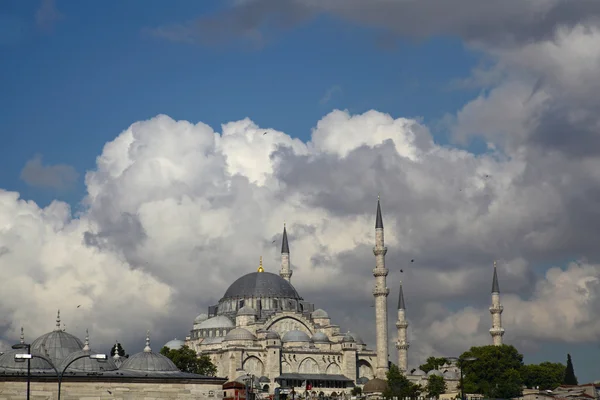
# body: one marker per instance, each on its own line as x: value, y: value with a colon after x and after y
x: 356, y: 391
x: 398, y: 385
x: 118, y: 348
x: 436, y: 385
x: 570, y: 378
x: 433, y: 363
x: 546, y: 376
x: 495, y: 372
x: 187, y: 360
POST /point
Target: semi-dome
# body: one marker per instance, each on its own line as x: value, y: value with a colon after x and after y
x: 320, y: 337
x: 239, y: 334
x: 272, y: 335
x: 319, y: 313
x: 220, y: 321
x: 147, y: 361
x: 200, y: 318
x: 261, y: 284
x: 175, y: 344
x: 356, y: 338
x: 246, y: 310
x: 296, y: 336
x: 375, y: 385
x: 348, y: 338
x: 56, y: 345
x: 434, y: 372
x: 85, y: 363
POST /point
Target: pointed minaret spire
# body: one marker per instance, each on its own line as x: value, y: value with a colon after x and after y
x: 147, y: 349
x: 402, y: 342
x: 496, y: 310
x: 380, y: 292
x: 86, y: 345
x: 58, y: 321
x: 117, y: 355
x: 286, y: 271
x: 22, y: 336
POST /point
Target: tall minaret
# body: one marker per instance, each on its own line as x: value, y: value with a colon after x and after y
x: 380, y: 292
x: 496, y: 310
x: 402, y: 343
x: 285, y: 272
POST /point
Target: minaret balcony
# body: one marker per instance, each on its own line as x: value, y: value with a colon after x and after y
x: 402, y: 346
x: 380, y: 251
x: 401, y: 324
x: 497, y: 331
x: 380, y: 272
x: 496, y: 309
x: 381, y: 291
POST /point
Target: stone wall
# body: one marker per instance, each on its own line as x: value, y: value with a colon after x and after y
x: 48, y: 390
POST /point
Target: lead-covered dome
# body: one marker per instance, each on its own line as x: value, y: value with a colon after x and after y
x: 261, y: 284
x: 8, y: 364
x: 296, y: 336
x: 175, y: 344
x: 56, y: 345
x: 220, y: 321
x: 239, y: 334
x: 148, y: 361
x: 81, y: 361
x: 320, y: 337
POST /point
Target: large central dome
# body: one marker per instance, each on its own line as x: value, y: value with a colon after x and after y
x: 261, y: 284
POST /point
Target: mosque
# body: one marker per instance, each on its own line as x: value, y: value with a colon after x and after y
x: 262, y: 327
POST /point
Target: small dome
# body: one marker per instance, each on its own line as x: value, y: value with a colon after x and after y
x: 451, y: 375
x: 348, y: 338
x: 56, y: 345
x: 356, y: 338
x: 295, y: 336
x: 220, y: 321
x: 320, y: 337
x: 320, y: 313
x: 239, y: 334
x: 419, y: 372
x: 272, y: 335
x: 9, y: 364
x: 175, y: 344
x: 434, y: 372
x: 87, y: 364
x: 149, y: 361
x: 200, y: 318
x: 375, y: 385
x: 264, y: 379
x: 246, y: 310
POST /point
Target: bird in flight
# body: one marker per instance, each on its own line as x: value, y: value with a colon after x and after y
x: 79, y: 306
x: 265, y: 133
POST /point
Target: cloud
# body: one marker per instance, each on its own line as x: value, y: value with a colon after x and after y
x: 499, y: 23
x: 47, y: 15
x: 59, y: 176
x: 330, y: 93
x: 175, y: 212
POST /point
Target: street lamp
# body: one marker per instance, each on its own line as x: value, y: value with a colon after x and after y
x: 29, y: 356
x: 28, y: 347
x: 462, y: 388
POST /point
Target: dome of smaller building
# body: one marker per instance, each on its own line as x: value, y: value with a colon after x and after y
x: 147, y: 361
x: 320, y: 337
x: 239, y: 334
x: 434, y: 372
x: 419, y: 372
x: 56, y: 345
x: 319, y: 313
x: 272, y: 335
x: 81, y: 361
x: 175, y: 344
x: 375, y: 385
x: 9, y: 364
x: 246, y: 310
x: 348, y: 338
x: 356, y: 338
x: 220, y: 321
x: 452, y: 375
x: 200, y: 318
x: 295, y: 336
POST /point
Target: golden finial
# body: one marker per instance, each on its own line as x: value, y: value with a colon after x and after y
x: 494, y: 263
x: 260, y: 267
x: 378, y: 196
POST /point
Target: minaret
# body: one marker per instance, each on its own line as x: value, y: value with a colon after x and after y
x: 402, y: 343
x: 285, y: 272
x: 496, y: 310
x: 380, y: 292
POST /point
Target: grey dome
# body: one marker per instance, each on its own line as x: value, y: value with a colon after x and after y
x: 434, y: 372
x: 56, y: 345
x: 451, y: 375
x: 87, y: 364
x: 200, y: 318
x: 320, y: 337
x: 295, y: 336
x: 272, y: 335
x: 419, y: 372
x: 239, y: 334
x: 149, y: 361
x: 246, y: 310
x: 8, y: 363
x: 356, y: 338
x: 220, y: 321
x: 348, y: 338
x: 261, y: 284
x: 320, y: 313
x: 375, y: 385
x: 175, y: 344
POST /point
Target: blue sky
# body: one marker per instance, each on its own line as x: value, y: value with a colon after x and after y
x: 69, y: 90
x: 71, y: 86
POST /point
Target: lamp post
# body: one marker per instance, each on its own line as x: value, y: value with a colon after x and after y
x: 28, y: 347
x: 461, y: 360
x: 29, y: 356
